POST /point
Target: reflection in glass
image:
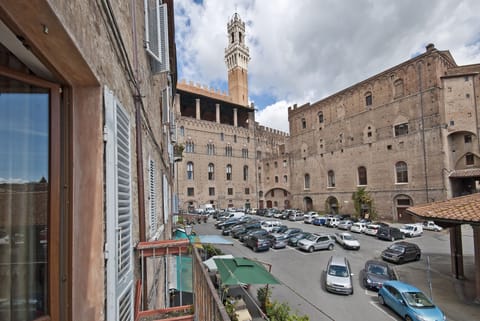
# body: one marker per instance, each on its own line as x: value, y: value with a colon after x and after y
x: 24, y: 158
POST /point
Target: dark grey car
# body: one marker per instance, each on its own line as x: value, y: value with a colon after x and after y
x: 375, y: 273
x: 401, y: 252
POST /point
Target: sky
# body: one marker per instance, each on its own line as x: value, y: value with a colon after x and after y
x: 305, y: 50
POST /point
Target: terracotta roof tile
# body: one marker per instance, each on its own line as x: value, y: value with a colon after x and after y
x: 463, y: 209
x: 470, y: 172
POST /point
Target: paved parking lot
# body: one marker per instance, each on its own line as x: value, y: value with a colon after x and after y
x: 301, y: 274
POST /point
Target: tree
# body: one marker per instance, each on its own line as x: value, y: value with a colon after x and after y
x: 363, y: 201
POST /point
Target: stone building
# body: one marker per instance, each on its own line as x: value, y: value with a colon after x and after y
x: 406, y: 136
x: 223, y: 147
x: 86, y: 172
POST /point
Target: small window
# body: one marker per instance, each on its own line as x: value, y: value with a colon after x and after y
x: 260, y: 194
x: 306, y: 180
x: 234, y: 138
x: 229, y: 172
x: 182, y: 131
x: 211, y: 191
x: 398, y: 85
x: 190, y: 171
x: 285, y: 178
x: 190, y: 191
x: 467, y: 139
x: 275, y: 164
x: 245, y: 173
x: 401, y: 129
x: 211, y: 172
x: 190, y: 147
x: 304, y: 123
x: 228, y: 150
x: 222, y: 137
x: 245, y: 153
x: 368, y: 99
x: 210, y: 149
x: 273, y: 193
x: 401, y: 172
x: 362, y: 176
x: 320, y: 117
x: 285, y: 163
x: 276, y: 179
x: 331, y: 178
x: 469, y: 159
x: 247, y: 191
x: 230, y: 191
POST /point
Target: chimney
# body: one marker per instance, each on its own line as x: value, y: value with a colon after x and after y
x: 430, y: 47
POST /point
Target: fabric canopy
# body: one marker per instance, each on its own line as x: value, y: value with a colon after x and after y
x: 210, y: 263
x: 243, y: 271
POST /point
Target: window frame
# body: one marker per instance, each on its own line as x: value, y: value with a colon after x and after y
x: 401, y: 173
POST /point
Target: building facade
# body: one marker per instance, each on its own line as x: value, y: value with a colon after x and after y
x: 86, y: 95
x: 223, y: 147
x: 406, y: 136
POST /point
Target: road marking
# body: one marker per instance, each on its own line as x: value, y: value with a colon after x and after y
x: 378, y: 307
x: 370, y: 293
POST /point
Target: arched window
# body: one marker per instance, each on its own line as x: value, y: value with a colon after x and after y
x: 229, y: 172
x: 189, y: 170
x: 398, y: 85
x: 401, y: 170
x: 182, y: 131
x: 304, y: 123
x: 469, y: 159
x: 210, y: 149
x: 320, y: 117
x: 331, y: 178
x: 190, y: 147
x: 211, y: 172
x: 245, y: 173
x: 368, y: 99
x: 228, y: 150
x: 285, y: 178
x: 362, y: 176
x: 306, y: 181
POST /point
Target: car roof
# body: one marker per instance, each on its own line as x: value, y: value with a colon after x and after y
x: 402, y: 286
x: 376, y: 262
x: 338, y: 260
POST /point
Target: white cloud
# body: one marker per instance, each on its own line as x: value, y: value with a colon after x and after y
x: 305, y: 50
x: 274, y: 116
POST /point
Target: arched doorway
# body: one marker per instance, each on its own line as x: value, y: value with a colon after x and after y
x: 307, y: 203
x: 332, y: 205
x: 401, y: 203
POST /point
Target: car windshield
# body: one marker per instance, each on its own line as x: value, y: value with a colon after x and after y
x: 408, y: 227
x: 377, y: 269
x: 396, y: 248
x: 312, y: 238
x: 337, y: 270
x: 348, y: 237
x: 417, y: 300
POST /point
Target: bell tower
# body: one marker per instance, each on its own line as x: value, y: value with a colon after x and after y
x: 236, y: 59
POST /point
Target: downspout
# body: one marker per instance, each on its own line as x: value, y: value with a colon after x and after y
x: 423, y: 132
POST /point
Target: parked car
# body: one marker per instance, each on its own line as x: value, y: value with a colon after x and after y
x: 401, y: 252
x: 319, y: 221
x: 292, y: 231
x: 296, y: 216
x: 270, y: 225
x: 240, y: 230
x: 412, y: 230
x: 293, y: 241
x: 279, y: 229
x: 345, y: 225
x: 358, y: 227
x: 409, y: 302
x: 376, y: 273
x: 372, y: 229
x: 258, y: 241
x: 338, y: 276
x: 223, y: 224
x: 431, y: 226
x: 277, y: 241
x: 332, y: 222
x: 317, y: 242
x: 347, y: 241
x: 309, y: 217
x: 389, y: 233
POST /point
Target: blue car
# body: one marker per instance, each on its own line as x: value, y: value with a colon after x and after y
x: 409, y: 302
x: 319, y: 221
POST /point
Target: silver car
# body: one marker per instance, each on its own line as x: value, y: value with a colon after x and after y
x: 315, y: 242
x: 338, y: 276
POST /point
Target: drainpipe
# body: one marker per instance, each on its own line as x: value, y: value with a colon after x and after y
x: 420, y: 89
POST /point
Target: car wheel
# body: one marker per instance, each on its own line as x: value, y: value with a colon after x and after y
x: 310, y: 249
x: 351, y: 293
x: 330, y: 247
x: 407, y: 318
x: 381, y: 300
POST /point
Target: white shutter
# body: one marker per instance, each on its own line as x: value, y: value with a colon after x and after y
x: 166, y: 198
x: 156, y: 34
x: 152, y: 202
x: 118, y: 249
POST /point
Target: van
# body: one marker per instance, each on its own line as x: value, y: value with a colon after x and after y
x: 389, y: 233
x: 332, y: 222
x: 412, y: 230
x: 338, y: 276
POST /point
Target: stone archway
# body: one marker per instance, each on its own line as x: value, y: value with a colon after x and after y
x: 400, y: 204
x: 307, y: 203
x: 332, y: 205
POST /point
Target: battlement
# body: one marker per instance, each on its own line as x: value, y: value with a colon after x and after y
x: 204, y: 90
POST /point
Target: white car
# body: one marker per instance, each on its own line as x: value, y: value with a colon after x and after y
x: 430, y: 225
x: 412, y: 230
x: 309, y: 217
x: 358, y: 227
x: 347, y: 241
x: 372, y: 229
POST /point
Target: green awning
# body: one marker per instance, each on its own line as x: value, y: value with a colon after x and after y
x: 243, y: 271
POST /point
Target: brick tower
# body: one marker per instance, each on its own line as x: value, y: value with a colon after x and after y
x: 236, y: 59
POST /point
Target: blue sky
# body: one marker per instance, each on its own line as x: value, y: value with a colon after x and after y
x: 302, y: 51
